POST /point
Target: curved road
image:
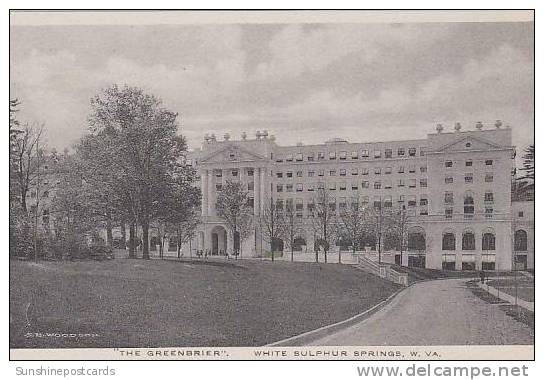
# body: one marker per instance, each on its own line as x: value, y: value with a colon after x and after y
x: 443, y: 312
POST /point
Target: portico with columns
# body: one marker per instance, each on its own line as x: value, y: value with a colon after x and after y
x: 232, y: 161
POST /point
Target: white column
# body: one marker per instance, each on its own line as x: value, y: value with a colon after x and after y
x: 256, y: 190
x: 204, y: 190
x: 210, y: 189
x: 263, y: 184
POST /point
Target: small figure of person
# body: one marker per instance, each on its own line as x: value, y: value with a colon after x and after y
x: 482, y: 276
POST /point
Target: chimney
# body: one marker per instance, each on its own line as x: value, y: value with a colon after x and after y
x: 226, y: 136
x: 244, y: 136
x: 498, y: 124
x: 439, y: 128
x: 479, y: 125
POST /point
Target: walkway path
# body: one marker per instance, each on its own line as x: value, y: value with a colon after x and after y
x: 443, y: 312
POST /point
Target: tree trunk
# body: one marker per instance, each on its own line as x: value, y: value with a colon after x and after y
x: 145, y: 240
x: 161, y: 245
x: 132, y: 241
x: 292, y: 256
x: 124, y: 234
x: 109, y: 230
x: 23, y: 202
x: 179, y: 246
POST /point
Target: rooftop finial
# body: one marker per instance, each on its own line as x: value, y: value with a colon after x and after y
x: 439, y: 128
x: 498, y: 124
x: 457, y: 127
x: 479, y: 125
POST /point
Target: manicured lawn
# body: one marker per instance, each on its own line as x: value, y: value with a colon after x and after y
x: 136, y: 303
x: 525, y: 287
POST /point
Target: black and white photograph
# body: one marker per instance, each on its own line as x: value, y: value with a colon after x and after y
x: 272, y: 185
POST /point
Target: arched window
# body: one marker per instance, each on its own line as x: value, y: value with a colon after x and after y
x: 469, y: 204
x: 448, y: 241
x: 520, y: 240
x: 469, y: 243
x: 488, y: 241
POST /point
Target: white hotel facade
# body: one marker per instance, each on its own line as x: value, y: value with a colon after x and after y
x: 455, y: 186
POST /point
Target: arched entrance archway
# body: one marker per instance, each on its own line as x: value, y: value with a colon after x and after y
x: 219, y: 241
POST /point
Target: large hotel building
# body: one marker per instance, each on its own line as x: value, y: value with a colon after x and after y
x: 454, y: 185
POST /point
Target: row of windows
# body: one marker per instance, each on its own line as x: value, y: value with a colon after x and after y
x: 233, y: 172
x: 344, y: 172
x: 377, y: 185
x: 342, y: 204
x: 468, y: 242
x: 354, y: 155
x: 468, y: 198
x: 468, y: 163
x: 469, y: 178
x: 365, y: 200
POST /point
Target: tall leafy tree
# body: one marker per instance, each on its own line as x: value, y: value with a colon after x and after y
x: 139, y: 138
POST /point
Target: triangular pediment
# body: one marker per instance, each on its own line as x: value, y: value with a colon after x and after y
x: 231, y: 153
x: 468, y: 143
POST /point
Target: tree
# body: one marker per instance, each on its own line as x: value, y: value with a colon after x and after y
x: 397, y: 229
x: 381, y: 216
x: 324, y: 221
x: 139, y: 138
x: 233, y: 207
x: 18, y: 220
x: 74, y: 215
x: 354, y: 224
x: 272, y: 225
x: 292, y: 226
x: 26, y: 159
x: 528, y: 164
x: 180, y: 208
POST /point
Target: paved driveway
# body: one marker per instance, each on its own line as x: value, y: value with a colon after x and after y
x: 443, y: 312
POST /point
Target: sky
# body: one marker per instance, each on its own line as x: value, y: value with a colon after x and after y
x: 301, y: 82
